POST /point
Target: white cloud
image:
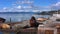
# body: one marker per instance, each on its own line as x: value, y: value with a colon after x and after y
x: 5, y: 8
x: 57, y: 4
x: 36, y: 10
x: 19, y: 7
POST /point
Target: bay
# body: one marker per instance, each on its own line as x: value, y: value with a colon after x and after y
x: 20, y: 17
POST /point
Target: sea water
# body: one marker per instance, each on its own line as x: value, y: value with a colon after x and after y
x: 20, y: 17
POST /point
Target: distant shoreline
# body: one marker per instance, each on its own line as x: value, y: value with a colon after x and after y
x: 17, y: 12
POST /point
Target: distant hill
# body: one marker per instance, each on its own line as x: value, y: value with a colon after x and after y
x: 54, y: 12
x: 38, y: 13
x: 17, y: 12
x: 49, y: 12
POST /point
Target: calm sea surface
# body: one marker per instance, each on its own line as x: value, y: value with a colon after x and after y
x: 19, y: 17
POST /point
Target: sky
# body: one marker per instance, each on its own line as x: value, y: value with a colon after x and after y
x: 43, y: 5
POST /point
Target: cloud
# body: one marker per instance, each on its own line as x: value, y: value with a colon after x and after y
x: 57, y: 4
x: 4, y: 9
x: 11, y: 9
x: 19, y: 7
x: 35, y: 9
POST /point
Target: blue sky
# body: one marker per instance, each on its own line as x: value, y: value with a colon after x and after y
x: 44, y: 4
x: 7, y: 3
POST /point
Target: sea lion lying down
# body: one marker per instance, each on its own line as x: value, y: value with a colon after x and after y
x: 4, y: 26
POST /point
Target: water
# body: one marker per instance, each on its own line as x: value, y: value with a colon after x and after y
x: 15, y: 17
x: 20, y: 17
